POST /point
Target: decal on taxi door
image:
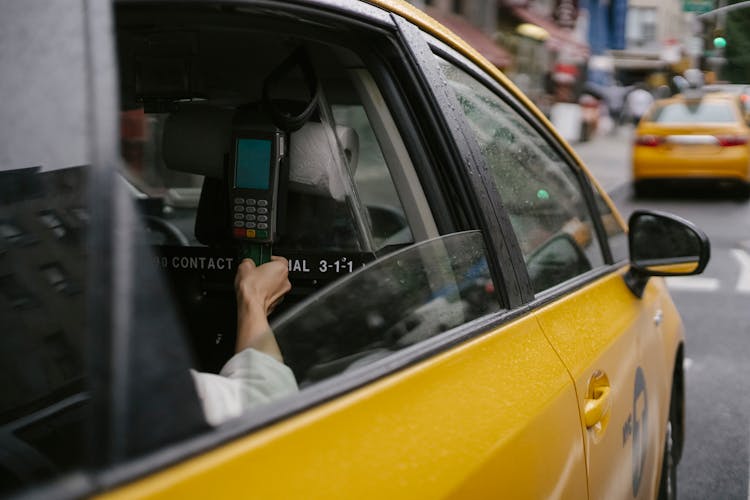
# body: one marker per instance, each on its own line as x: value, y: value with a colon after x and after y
x: 636, y: 427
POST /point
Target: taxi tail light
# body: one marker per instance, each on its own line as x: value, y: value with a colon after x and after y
x: 649, y: 140
x: 731, y: 140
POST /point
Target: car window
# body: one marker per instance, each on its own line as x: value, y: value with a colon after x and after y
x: 540, y: 192
x: 373, y: 180
x: 400, y: 300
x: 616, y: 235
x: 43, y: 350
x: 370, y: 273
x: 698, y: 112
x: 169, y: 193
x: 339, y: 208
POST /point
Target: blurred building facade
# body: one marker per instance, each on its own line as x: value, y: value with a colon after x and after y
x: 558, y: 51
x: 542, y: 45
x: 657, y: 33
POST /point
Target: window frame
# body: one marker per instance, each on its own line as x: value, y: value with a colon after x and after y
x: 467, y: 169
x: 585, y: 183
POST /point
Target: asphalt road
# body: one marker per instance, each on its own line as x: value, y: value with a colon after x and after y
x: 715, y: 308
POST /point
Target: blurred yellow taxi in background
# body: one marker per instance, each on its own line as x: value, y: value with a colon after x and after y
x: 699, y: 138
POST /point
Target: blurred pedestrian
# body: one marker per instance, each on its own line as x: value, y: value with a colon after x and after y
x: 637, y: 103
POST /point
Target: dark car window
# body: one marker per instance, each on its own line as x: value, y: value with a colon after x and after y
x: 694, y: 112
x: 539, y: 190
x: 43, y: 375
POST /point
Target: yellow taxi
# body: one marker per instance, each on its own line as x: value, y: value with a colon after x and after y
x: 693, y: 137
x: 469, y: 315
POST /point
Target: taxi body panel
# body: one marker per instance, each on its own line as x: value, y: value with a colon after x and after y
x: 456, y: 426
x: 617, y: 346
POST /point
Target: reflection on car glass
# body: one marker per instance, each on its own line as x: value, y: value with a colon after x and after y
x: 397, y: 301
x: 16, y: 293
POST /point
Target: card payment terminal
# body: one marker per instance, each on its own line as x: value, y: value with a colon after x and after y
x: 255, y: 161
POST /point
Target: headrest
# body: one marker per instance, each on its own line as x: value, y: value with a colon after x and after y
x: 314, y: 165
x: 196, y: 138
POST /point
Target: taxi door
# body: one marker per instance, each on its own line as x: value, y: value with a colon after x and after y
x: 606, y: 336
x: 602, y: 333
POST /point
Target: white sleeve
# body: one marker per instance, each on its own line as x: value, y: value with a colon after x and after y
x: 249, y: 379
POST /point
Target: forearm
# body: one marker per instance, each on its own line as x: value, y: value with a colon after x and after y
x: 254, y: 331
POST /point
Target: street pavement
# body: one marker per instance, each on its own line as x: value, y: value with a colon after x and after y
x: 607, y: 157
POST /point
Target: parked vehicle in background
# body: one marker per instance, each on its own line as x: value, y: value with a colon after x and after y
x: 470, y: 316
x: 697, y: 139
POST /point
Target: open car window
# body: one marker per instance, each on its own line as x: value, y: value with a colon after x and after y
x: 338, y: 203
x: 340, y: 194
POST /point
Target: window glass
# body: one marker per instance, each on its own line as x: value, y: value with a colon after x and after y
x: 616, y: 235
x: 402, y: 299
x: 170, y: 197
x: 43, y: 380
x: 538, y: 189
x: 373, y: 180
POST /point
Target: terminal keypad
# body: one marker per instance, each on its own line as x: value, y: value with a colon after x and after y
x: 251, y: 217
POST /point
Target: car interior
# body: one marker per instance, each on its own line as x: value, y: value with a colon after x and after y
x: 187, y: 84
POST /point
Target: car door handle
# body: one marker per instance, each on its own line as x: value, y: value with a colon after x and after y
x: 596, y: 408
x: 598, y: 401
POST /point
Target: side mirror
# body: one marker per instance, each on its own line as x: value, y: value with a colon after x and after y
x: 663, y: 244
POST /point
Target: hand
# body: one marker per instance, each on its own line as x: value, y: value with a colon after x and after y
x: 259, y: 289
x: 262, y: 286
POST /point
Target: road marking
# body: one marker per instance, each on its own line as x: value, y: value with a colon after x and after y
x: 692, y: 284
x: 743, y: 281
x: 703, y: 284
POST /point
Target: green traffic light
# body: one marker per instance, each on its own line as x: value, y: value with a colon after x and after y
x: 720, y: 42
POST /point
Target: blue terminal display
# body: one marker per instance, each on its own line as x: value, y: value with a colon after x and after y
x: 253, y: 164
